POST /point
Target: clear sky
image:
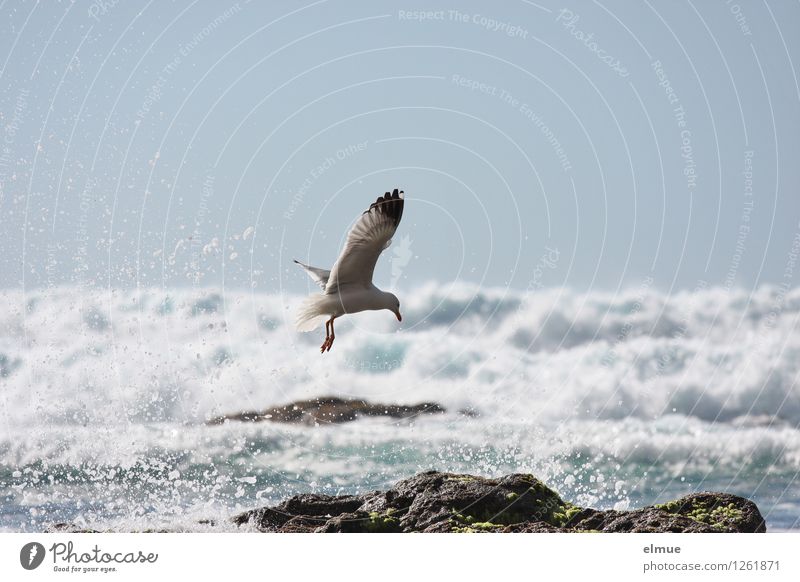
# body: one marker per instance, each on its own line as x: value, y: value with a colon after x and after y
x: 587, y: 144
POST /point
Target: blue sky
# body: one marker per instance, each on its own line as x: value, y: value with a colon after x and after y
x: 587, y: 144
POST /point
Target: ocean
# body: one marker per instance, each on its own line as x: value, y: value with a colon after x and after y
x: 616, y: 400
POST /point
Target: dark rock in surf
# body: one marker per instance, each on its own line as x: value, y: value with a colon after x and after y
x: 68, y: 528
x: 330, y: 410
x: 453, y: 503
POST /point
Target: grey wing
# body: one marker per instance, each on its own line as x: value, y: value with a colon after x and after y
x: 320, y: 276
x: 371, y: 233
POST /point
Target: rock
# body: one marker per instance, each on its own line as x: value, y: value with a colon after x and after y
x: 363, y: 522
x: 330, y: 410
x: 452, y: 503
x: 67, y: 528
x: 646, y: 520
x: 720, y: 511
x: 315, y: 510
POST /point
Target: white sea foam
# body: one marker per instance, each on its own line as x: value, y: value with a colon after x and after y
x: 616, y: 400
x: 170, y: 476
x: 105, y: 357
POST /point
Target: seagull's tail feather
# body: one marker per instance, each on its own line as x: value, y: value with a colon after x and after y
x: 311, y: 313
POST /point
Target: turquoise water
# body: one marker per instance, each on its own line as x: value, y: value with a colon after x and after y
x: 191, y: 478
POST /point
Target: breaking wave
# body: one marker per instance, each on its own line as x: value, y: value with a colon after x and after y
x: 104, y: 357
x: 619, y: 399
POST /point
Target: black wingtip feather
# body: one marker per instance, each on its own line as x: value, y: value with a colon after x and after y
x: 390, y: 205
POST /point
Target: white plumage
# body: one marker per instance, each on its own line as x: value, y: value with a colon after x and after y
x: 347, y: 287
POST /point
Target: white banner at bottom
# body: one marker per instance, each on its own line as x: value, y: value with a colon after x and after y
x: 351, y: 557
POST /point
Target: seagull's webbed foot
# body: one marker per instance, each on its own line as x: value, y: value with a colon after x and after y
x: 326, y: 345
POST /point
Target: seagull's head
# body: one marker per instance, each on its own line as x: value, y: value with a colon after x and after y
x: 392, y: 303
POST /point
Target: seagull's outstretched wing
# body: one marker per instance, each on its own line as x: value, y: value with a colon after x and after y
x: 320, y: 276
x: 371, y: 234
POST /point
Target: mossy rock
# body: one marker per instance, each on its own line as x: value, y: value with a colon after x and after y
x: 479, y: 527
x: 361, y: 522
x: 448, y: 502
x: 721, y: 511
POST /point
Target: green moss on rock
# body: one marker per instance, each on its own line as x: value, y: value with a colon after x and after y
x: 717, y: 516
x: 478, y: 527
x: 461, y: 479
x: 562, y: 517
x: 446, y: 502
x: 382, y: 522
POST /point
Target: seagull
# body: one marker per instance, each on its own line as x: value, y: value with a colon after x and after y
x: 347, y: 287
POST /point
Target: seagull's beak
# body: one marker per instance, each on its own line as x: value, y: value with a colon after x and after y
x: 399, y: 317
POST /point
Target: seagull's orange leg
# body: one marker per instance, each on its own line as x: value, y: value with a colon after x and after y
x: 333, y: 335
x: 327, y: 337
